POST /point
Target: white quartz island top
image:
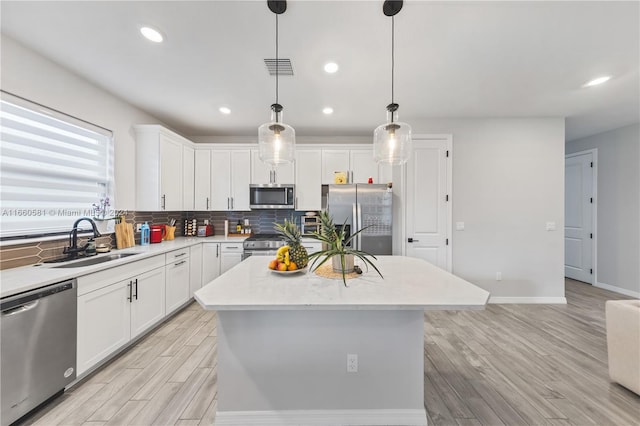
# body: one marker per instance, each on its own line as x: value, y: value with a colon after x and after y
x: 408, y: 284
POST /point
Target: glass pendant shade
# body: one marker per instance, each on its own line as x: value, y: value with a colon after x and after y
x: 276, y: 140
x: 392, y: 141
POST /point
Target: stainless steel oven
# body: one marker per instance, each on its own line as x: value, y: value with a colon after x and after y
x: 262, y: 245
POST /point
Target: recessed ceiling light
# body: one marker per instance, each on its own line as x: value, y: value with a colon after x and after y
x: 597, y: 81
x: 327, y: 110
x: 331, y: 67
x: 151, y: 34
x: 225, y: 110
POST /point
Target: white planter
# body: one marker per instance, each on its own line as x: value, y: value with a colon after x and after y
x: 348, y: 263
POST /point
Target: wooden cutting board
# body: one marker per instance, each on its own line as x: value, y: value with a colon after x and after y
x: 124, y: 234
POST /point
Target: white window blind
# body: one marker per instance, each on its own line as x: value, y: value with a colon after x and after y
x: 53, y: 168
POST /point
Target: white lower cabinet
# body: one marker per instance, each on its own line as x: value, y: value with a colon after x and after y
x: 195, y: 269
x: 312, y: 247
x: 110, y: 314
x: 178, y: 284
x: 231, y: 255
x: 210, y: 262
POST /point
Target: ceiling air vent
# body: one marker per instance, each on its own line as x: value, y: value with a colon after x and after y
x: 284, y: 66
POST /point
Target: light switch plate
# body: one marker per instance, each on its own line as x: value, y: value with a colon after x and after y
x: 459, y: 226
x: 551, y: 226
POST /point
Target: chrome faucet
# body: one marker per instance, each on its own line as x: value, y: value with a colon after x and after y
x: 73, y: 248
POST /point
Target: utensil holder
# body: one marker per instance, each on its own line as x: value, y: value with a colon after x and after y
x: 170, y: 232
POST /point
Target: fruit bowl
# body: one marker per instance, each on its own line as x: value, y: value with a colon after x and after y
x: 289, y: 272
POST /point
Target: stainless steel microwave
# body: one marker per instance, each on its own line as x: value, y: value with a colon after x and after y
x: 272, y: 196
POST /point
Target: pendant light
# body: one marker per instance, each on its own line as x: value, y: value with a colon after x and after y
x: 392, y: 140
x: 276, y: 140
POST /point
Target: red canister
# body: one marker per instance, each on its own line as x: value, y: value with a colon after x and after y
x: 157, y: 233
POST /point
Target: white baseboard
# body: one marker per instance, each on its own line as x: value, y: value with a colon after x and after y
x: 529, y: 300
x: 618, y: 290
x: 323, y: 417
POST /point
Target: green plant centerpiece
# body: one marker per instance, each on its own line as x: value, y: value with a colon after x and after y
x: 337, y: 248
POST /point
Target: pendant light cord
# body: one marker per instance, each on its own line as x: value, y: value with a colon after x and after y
x: 393, y: 32
x: 277, y: 63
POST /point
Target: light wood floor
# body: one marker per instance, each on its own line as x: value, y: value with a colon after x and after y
x: 509, y: 364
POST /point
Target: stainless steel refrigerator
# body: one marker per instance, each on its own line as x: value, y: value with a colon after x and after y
x: 361, y: 206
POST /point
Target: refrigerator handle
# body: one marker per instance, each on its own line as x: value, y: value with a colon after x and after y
x: 356, y: 225
x: 359, y: 226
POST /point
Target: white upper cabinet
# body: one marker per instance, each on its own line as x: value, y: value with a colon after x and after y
x: 308, y: 179
x: 230, y: 179
x: 160, y: 169
x: 357, y: 163
x: 187, y: 177
x: 362, y: 166
x: 334, y: 160
x: 261, y: 173
x: 202, y: 181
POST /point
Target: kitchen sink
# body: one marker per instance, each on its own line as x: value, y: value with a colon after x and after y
x: 94, y: 260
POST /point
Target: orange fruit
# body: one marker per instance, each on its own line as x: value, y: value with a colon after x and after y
x: 273, y: 264
x: 292, y: 266
x: 282, y: 267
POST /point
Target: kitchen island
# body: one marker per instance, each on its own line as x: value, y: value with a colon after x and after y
x: 286, y: 342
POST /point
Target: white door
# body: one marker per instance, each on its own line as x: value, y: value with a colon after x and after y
x: 177, y: 285
x: 427, y: 209
x: 578, y: 224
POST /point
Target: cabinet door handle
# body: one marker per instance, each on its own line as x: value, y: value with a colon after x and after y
x: 228, y: 203
x: 295, y: 204
x: 136, y: 295
x: 217, y: 250
x: 275, y: 176
x: 180, y: 263
x: 164, y: 201
x: 130, y: 293
x: 232, y: 203
x: 207, y: 203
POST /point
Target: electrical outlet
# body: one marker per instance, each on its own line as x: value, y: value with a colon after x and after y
x: 352, y: 363
x: 498, y: 276
x: 138, y: 227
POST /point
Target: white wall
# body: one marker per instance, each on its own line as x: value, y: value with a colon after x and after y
x: 31, y: 76
x: 618, y: 204
x: 508, y: 182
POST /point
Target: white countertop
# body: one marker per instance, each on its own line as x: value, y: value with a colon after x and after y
x: 408, y: 283
x: 18, y: 280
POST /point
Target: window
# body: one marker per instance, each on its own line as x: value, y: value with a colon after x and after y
x: 53, y: 168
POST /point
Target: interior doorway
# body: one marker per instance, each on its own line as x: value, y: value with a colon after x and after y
x: 580, y: 216
x: 428, y: 198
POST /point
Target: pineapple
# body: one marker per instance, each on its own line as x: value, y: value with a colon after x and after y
x: 328, y: 228
x: 291, y: 233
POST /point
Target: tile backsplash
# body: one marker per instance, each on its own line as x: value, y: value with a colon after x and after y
x: 36, y: 252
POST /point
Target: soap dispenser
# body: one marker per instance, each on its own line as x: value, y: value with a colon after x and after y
x: 145, y: 234
x: 91, y: 248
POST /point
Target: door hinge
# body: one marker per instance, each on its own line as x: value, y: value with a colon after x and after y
x: 591, y: 236
x: 447, y: 198
x: 591, y: 271
x: 447, y: 153
x: 447, y: 241
x: 592, y: 164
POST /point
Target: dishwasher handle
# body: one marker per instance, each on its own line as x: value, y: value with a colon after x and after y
x: 15, y: 310
x: 23, y: 299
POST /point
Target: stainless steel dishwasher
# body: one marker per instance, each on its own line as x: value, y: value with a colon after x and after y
x: 38, y: 347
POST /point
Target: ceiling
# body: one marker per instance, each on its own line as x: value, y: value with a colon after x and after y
x: 454, y: 59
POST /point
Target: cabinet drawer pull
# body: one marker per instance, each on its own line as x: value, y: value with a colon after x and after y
x: 180, y: 263
x: 180, y: 255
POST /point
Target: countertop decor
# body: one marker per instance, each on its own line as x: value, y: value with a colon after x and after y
x: 342, y: 256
